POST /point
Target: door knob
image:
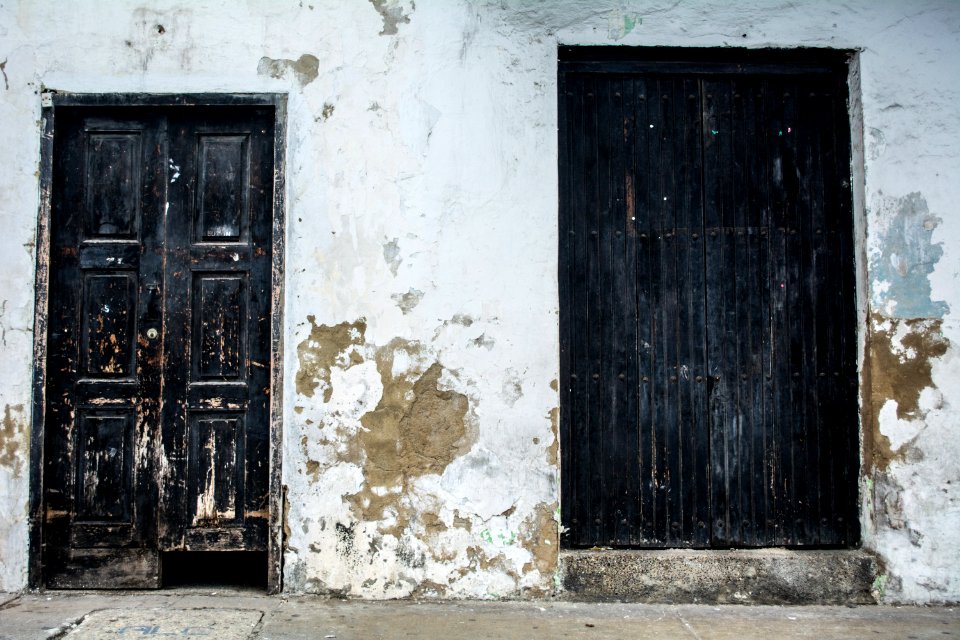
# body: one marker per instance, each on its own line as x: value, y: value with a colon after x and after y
x: 152, y: 333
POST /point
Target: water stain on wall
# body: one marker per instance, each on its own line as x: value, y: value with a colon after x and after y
x: 416, y: 429
x: 327, y: 346
x: 13, y: 438
x: 899, y: 368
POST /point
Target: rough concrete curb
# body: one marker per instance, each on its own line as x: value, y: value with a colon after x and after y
x: 767, y: 576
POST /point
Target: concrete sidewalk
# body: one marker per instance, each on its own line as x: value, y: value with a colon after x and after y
x: 232, y: 614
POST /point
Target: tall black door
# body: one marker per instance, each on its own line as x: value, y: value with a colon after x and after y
x: 708, y: 310
x: 158, y: 370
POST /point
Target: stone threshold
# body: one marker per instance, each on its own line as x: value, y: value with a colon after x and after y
x: 754, y: 576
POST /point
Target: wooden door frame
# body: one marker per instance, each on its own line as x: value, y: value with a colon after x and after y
x: 50, y: 101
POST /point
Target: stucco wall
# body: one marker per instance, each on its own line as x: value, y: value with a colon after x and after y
x: 421, y: 296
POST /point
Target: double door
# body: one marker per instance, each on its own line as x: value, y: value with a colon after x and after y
x: 708, y: 308
x: 156, y: 435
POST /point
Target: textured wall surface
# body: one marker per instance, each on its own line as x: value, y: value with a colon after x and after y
x: 420, y: 422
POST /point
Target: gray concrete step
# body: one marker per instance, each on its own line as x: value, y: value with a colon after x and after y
x: 762, y: 576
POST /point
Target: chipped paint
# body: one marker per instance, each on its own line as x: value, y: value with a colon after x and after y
x: 391, y: 255
x: 13, y: 439
x: 305, y: 69
x: 900, y: 364
x: 393, y: 14
x: 904, y: 258
x: 416, y: 429
x: 322, y: 349
x: 408, y: 301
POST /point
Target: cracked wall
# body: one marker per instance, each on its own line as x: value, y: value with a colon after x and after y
x: 420, y: 375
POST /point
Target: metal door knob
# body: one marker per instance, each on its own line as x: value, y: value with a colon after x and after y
x: 152, y: 333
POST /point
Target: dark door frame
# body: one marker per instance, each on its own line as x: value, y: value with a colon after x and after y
x: 50, y: 101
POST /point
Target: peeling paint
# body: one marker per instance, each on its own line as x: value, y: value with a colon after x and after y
x: 391, y: 255
x: 13, y: 439
x: 392, y: 13
x: 553, y: 451
x: 904, y: 257
x: 484, y: 341
x: 416, y: 429
x: 620, y: 23
x: 540, y: 534
x: 407, y: 301
x: 305, y: 69
x: 899, y: 365
x: 325, y: 347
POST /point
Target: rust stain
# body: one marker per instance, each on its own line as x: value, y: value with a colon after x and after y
x: 13, y: 436
x: 416, y: 429
x: 897, y: 370
x: 327, y: 346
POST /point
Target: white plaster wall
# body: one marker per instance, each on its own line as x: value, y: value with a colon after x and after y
x: 439, y: 141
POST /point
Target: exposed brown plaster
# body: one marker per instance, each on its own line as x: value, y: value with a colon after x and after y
x: 432, y: 523
x: 460, y: 522
x: 897, y: 372
x: 429, y: 588
x: 555, y: 384
x: 553, y: 451
x: 14, y: 437
x: 540, y: 535
x: 416, y: 429
x: 325, y: 347
x: 306, y: 68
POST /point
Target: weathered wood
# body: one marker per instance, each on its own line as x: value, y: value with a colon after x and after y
x: 156, y: 423
x: 705, y: 233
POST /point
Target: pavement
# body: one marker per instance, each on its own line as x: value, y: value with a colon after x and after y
x: 232, y: 614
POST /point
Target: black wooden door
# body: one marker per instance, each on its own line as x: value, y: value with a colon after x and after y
x: 708, y: 310
x: 157, y: 428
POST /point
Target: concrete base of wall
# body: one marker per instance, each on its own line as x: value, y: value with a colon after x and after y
x: 762, y: 576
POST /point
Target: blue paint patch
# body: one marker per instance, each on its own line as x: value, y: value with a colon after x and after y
x: 906, y: 259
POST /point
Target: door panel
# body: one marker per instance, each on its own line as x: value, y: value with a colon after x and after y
x: 218, y: 331
x: 707, y: 308
x: 157, y: 428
